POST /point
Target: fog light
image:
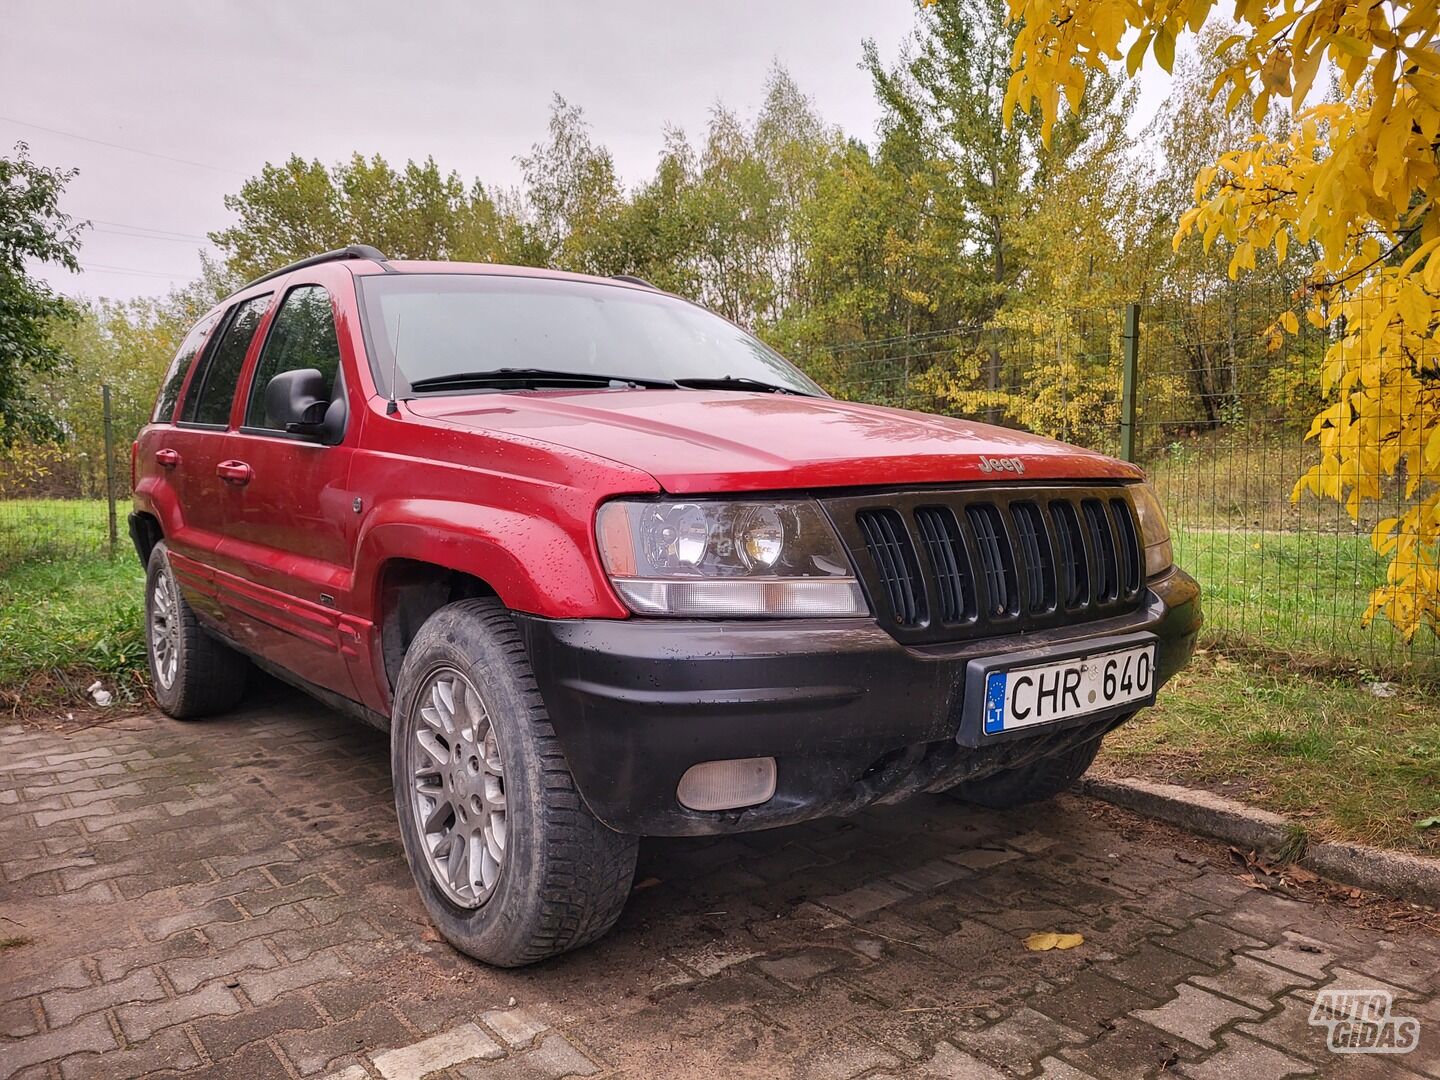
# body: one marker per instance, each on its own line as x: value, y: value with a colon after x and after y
x: 727, y: 785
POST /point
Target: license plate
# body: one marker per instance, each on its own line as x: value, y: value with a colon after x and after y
x: 1077, y: 686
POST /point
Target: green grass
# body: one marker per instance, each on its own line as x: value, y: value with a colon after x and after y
x: 66, y: 621
x: 1348, y: 764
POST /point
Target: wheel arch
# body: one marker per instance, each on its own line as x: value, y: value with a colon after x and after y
x: 408, y: 592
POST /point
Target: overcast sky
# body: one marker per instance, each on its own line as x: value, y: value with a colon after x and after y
x: 227, y: 86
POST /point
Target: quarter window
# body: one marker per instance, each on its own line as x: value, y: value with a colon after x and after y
x: 213, y: 388
x: 180, y: 367
x: 302, y: 335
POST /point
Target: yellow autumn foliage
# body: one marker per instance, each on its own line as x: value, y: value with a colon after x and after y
x: 1352, y: 185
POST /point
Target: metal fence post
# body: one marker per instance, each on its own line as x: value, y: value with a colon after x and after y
x: 1131, y: 350
x: 109, y: 465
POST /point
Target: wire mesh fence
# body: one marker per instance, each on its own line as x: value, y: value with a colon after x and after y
x: 61, y: 499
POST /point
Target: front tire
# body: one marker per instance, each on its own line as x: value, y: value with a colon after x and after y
x: 192, y: 674
x: 510, y: 863
x: 1032, y: 783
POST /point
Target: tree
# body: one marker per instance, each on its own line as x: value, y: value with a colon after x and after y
x: 1356, y: 177
x: 31, y: 228
x: 300, y: 208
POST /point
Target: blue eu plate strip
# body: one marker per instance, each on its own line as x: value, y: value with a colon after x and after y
x: 995, y: 702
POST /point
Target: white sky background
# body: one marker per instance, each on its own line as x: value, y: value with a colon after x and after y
x: 231, y: 85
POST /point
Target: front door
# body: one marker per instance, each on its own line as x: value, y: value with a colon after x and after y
x: 285, y: 561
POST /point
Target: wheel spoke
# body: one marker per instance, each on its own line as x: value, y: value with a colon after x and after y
x: 438, y: 815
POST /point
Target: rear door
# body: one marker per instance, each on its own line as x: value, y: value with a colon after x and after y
x: 290, y: 525
x: 200, y: 447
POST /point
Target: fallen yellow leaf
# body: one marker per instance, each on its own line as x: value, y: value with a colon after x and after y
x: 1047, y: 940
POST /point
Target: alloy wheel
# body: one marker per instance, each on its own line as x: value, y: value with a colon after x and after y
x: 165, y: 630
x: 457, y: 785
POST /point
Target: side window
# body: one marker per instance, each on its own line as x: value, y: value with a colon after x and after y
x: 180, y: 367
x: 302, y: 335
x: 213, y: 387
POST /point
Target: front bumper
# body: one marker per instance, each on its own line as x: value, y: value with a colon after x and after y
x: 850, y: 715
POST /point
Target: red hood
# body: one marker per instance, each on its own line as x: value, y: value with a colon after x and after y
x: 698, y: 440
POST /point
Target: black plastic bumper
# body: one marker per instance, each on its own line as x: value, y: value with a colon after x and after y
x: 850, y: 715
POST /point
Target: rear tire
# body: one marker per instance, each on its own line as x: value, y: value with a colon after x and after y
x: 192, y: 673
x: 510, y: 863
x: 1032, y: 783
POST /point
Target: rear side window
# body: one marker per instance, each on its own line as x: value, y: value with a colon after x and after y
x: 180, y: 367
x: 302, y: 335
x: 213, y: 388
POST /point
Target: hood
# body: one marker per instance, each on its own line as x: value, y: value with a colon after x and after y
x: 695, y: 441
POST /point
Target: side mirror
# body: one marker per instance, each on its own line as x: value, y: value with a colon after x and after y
x: 297, y: 402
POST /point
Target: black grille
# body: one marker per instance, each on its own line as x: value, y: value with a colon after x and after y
x: 1127, y: 550
x: 1074, y: 570
x: 1107, y: 578
x: 894, y: 557
x: 949, y: 562
x: 997, y: 561
x: 950, y: 565
x: 1035, y: 557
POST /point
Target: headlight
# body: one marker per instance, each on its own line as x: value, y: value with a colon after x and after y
x: 1154, y: 532
x: 704, y: 558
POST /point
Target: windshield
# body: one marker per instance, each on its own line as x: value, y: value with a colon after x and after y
x: 450, y: 324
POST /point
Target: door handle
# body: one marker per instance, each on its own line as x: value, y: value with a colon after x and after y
x: 234, y: 472
x: 167, y: 459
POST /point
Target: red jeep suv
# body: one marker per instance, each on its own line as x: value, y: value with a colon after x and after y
x: 606, y: 566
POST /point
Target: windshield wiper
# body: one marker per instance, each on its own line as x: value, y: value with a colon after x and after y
x: 469, y: 380
x: 738, y: 382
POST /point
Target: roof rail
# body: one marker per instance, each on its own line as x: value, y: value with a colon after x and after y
x: 632, y: 279
x: 354, y: 251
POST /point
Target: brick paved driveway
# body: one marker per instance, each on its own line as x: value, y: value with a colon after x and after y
x: 229, y: 899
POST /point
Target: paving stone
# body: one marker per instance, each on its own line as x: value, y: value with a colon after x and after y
x: 712, y: 959
x: 261, y: 987
x: 1210, y: 942
x: 1019, y: 1039
x: 91, y: 1034
x: 1090, y: 999
x: 168, y: 1050
x: 982, y: 858
x: 141, y: 1021
x: 185, y: 975
x: 1244, y: 1059
x: 222, y: 1037
x: 230, y: 932
x: 219, y: 911
x: 18, y: 1019
x: 1298, y: 953
x: 552, y: 1059
x: 866, y: 900
x: 454, y: 1047
x: 518, y: 1027
x: 376, y: 1029
x: 1253, y: 982
x: 930, y: 875
x: 69, y: 975
x: 797, y: 969
x: 1195, y: 1015
x: 64, y: 1006
x: 948, y: 1062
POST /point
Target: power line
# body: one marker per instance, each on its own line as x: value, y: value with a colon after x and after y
x: 121, y: 146
x: 102, y: 268
x: 143, y: 236
x: 147, y: 229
